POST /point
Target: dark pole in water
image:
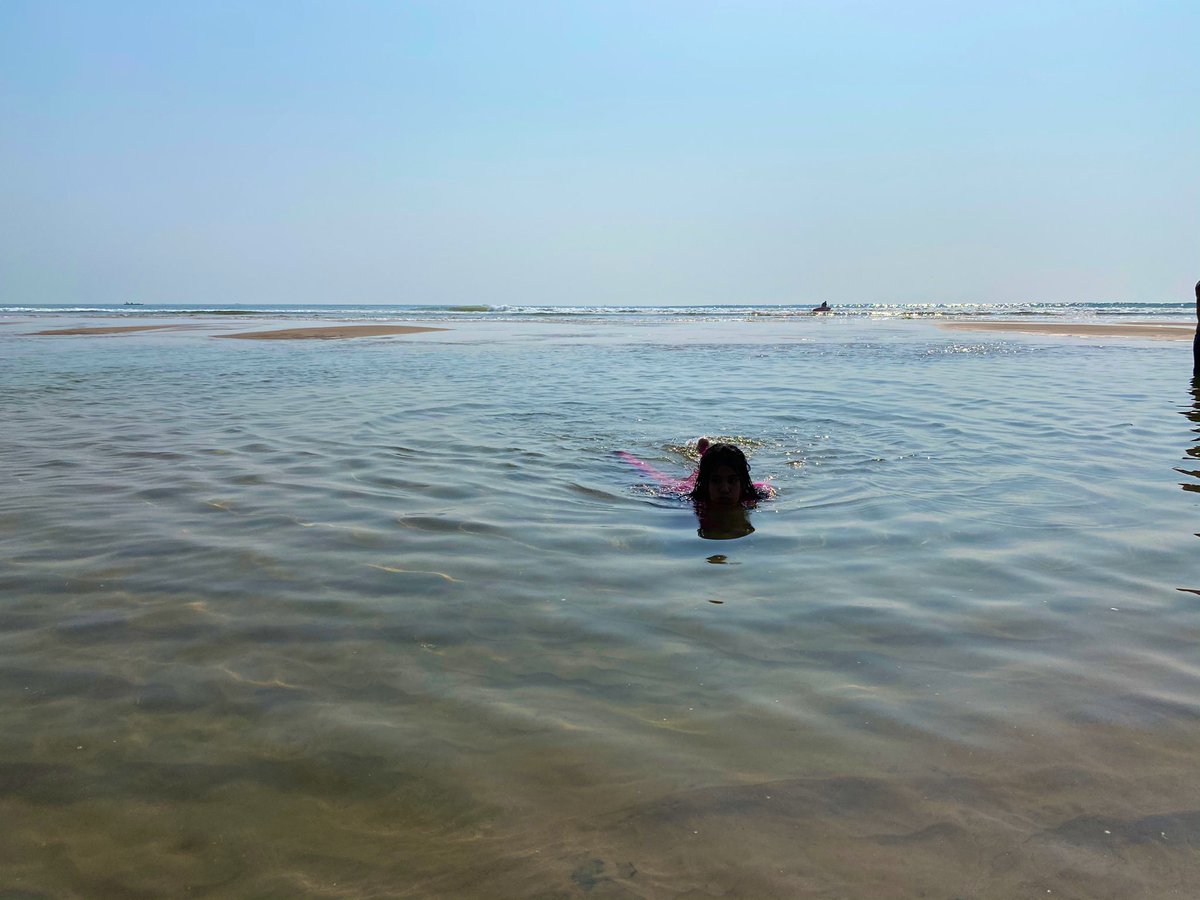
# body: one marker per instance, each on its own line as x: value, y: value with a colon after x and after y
x: 1196, y: 339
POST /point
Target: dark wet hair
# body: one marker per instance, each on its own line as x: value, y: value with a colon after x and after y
x: 718, y: 455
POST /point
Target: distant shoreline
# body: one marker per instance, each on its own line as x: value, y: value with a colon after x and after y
x: 113, y: 329
x: 1178, y: 330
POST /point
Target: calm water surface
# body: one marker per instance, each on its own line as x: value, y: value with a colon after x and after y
x: 388, y: 617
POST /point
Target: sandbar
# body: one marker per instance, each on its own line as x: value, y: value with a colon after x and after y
x: 329, y: 332
x: 1167, y: 331
x: 110, y: 329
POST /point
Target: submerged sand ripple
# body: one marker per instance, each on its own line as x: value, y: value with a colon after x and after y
x: 330, y: 332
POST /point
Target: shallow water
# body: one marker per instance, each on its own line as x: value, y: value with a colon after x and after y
x: 388, y: 617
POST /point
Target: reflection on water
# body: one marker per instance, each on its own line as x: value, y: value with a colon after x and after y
x: 723, y: 523
x: 387, y: 619
x: 1193, y: 452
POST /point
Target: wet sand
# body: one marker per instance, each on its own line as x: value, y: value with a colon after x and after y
x: 112, y: 329
x: 1172, y: 331
x: 331, y: 332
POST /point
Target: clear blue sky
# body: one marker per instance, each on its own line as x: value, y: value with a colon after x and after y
x: 598, y: 152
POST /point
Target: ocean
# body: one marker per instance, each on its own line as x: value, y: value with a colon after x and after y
x: 1064, y: 310
x: 389, y: 616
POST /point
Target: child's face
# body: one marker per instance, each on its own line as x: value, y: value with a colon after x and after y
x: 724, y: 486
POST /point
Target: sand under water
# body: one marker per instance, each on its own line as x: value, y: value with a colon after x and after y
x: 389, y: 617
x: 328, y: 332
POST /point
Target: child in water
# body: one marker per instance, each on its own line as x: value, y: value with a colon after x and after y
x: 723, y: 478
x: 720, y: 489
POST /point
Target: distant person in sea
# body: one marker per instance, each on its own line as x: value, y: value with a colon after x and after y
x: 824, y: 307
x: 1196, y: 339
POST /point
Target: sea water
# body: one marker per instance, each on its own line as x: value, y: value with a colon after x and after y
x: 389, y: 616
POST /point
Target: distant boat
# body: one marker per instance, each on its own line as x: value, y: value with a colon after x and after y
x: 131, y: 303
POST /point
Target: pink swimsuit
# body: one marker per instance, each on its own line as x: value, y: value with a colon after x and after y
x: 676, y: 485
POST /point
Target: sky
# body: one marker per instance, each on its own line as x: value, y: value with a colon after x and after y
x: 582, y: 153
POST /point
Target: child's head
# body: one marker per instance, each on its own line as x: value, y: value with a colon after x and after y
x: 724, y: 477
